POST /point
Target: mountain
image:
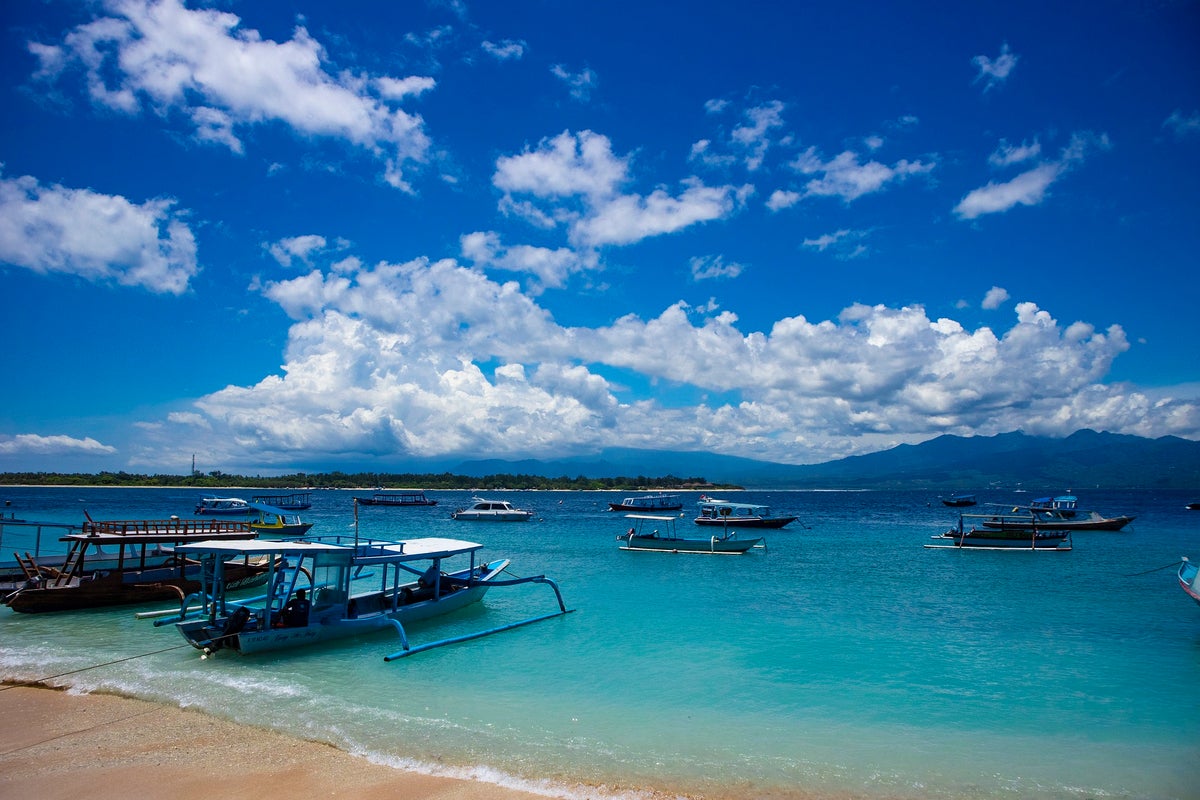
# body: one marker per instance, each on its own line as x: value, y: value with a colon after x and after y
x: 1085, y: 458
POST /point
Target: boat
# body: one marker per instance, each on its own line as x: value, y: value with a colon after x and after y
x: 984, y: 538
x: 396, y: 499
x: 128, y: 561
x: 1066, y: 505
x: 1188, y: 579
x: 658, y: 533
x: 744, y: 515
x: 228, y: 506
x: 1027, y: 519
x: 492, y: 511
x: 296, y: 501
x: 1193, y: 506
x: 959, y: 500
x: 275, y: 523
x: 648, y: 503
x: 322, y: 590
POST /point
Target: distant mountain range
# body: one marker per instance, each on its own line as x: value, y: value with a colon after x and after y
x: 1084, y: 459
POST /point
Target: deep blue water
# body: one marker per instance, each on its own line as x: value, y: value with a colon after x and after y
x: 845, y: 659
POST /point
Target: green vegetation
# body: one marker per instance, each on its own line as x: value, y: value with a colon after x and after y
x: 358, y: 480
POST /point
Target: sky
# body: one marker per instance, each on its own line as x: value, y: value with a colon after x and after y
x: 392, y: 234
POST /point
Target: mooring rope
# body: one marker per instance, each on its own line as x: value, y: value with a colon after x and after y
x: 1156, y: 569
x: 38, y: 681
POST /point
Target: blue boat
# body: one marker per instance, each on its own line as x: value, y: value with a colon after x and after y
x: 1187, y: 579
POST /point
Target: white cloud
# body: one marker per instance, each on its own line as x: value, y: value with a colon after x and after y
x: 710, y: 267
x: 579, y: 83
x: 782, y: 198
x: 34, y: 444
x: 1183, y: 126
x: 994, y: 298
x: 993, y: 72
x: 845, y: 244
x: 552, y: 268
x: 845, y: 177
x: 508, y: 49
x: 754, y: 137
x: 226, y: 78
x: 95, y: 236
x: 296, y: 247
x: 431, y: 358
x: 1006, y: 155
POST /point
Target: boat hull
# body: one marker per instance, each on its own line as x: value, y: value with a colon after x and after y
x: 1005, y: 540
x: 746, y: 522
x: 715, y: 545
x: 1189, y: 581
x: 497, y: 516
x: 1090, y: 524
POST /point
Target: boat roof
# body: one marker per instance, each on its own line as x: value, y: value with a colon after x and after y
x: 711, y: 502
x: 257, y: 547
x: 432, y: 547
x: 137, y: 537
x: 414, y: 549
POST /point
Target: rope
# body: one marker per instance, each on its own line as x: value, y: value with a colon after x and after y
x: 1156, y: 569
x: 42, y: 680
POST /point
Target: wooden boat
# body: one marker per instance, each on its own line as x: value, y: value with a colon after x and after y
x: 315, y: 593
x: 959, y: 500
x: 492, y: 511
x: 744, y: 515
x: 1053, y: 520
x: 223, y: 506
x: 1188, y: 573
x: 396, y: 499
x: 648, y: 503
x: 1065, y: 505
x: 121, y: 562
x: 658, y: 533
x: 275, y: 523
x: 296, y: 501
x: 982, y: 538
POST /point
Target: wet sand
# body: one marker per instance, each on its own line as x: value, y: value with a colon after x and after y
x: 102, y: 747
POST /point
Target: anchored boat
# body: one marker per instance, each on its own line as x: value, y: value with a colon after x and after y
x: 648, y: 503
x: 316, y: 593
x: 658, y: 533
x: 396, y: 499
x: 744, y: 515
x: 967, y: 535
x: 1188, y: 574
x: 492, y: 511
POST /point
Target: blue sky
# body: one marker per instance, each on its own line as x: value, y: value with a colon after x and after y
x: 383, y: 235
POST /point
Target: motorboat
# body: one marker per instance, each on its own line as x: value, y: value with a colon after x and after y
x: 725, y: 513
x: 482, y: 510
x: 648, y: 503
x: 228, y: 506
x: 970, y: 533
x: 1065, y: 505
x: 275, y: 523
x: 1188, y: 579
x: 959, y: 500
x: 396, y: 499
x: 295, y: 501
x: 1032, y: 519
x: 658, y: 533
x: 322, y: 590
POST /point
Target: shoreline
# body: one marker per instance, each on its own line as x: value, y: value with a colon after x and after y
x: 58, y: 744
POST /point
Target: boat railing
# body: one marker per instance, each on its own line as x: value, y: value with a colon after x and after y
x: 164, y: 527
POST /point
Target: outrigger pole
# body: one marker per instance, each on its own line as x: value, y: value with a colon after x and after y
x: 408, y: 651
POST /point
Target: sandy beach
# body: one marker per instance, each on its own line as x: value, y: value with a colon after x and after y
x: 54, y: 744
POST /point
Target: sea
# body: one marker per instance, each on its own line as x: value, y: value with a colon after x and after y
x: 844, y: 660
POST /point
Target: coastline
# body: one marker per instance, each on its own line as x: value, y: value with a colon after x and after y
x: 56, y: 744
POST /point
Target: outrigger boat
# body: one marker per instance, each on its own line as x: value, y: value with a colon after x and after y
x: 1188, y: 579
x: 121, y: 562
x: 984, y: 538
x: 658, y: 533
x: 1028, y: 519
x: 396, y: 499
x: 296, y: 501
x: 316, y: 593
x: 744, y: 515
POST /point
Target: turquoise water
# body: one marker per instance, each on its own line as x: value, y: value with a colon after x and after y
x: 847, y: 659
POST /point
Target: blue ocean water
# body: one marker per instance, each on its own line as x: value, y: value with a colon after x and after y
x: 845, y: 660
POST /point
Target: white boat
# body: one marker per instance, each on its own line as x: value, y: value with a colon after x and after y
x: 482, y: 510
x: 744, y: 515
x: 657, y: 533
x: 315, y: 594
x: 223, y: 505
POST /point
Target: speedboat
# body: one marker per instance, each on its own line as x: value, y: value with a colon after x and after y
x: 648, y: 503
x: 275, y: 523
x: 321, y: 590
x: 744, y: 515
x: 658, y: 533
x: 492, y: 511
x: 230, y: 506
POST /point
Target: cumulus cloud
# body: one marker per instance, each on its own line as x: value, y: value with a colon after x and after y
x: 845, y: 244
x: 506, y: 50
x: 579, y: 83
x: 1031, y: 187
x: 34, y: 444
x: 846, y: 177
x: 433, y: 358
x: 299, y: 248
x: 994, y: 298
x: 994, y: 72
x: 95, y: 236
x: 552, y: 268
x: 226, y: 79
x: 709, y: 267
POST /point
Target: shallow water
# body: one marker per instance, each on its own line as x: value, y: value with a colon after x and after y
x: 845, y: 659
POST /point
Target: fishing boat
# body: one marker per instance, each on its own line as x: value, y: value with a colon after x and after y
x: 959, y: 500
x: 321, y: 590
x: 744, y: 515
x: 1031, y: 519
x: 225, y: 506
x: 1065, y: 505
x: 130, y: 561
x: 492, y: 511
x: 648, y: 503
x: 275, y: 523
x: 396, y: 499
x: 1188, y: 573
x: 658, y: 533
x: 967, y: 536
x: 296, y: 501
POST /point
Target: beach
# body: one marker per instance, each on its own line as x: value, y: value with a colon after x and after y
x: 55, y: 744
